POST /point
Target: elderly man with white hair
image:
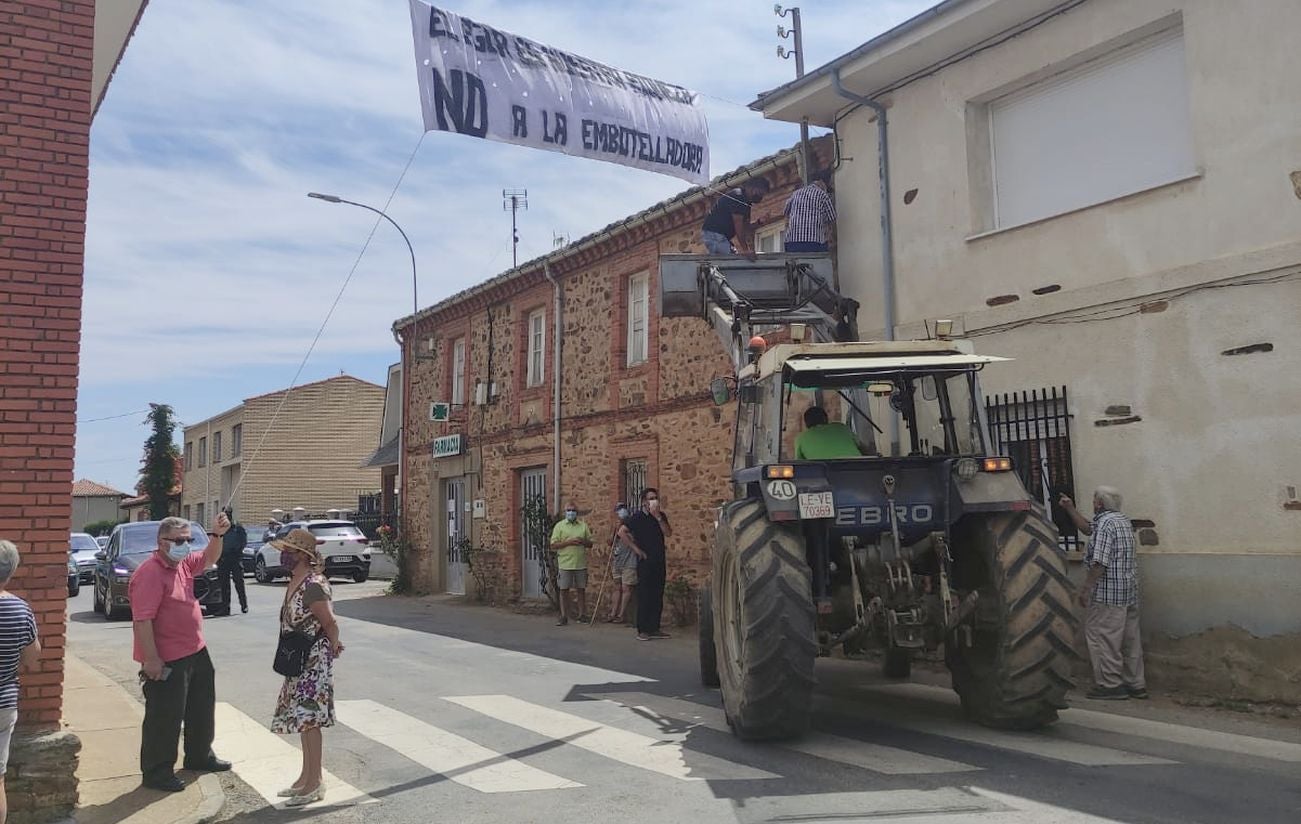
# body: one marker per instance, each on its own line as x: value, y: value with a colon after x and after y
x: 1110, y: 597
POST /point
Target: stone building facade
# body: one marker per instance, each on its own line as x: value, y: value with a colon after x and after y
x: 56, y: 60
x: 634, y: 407
x: 273, y: 452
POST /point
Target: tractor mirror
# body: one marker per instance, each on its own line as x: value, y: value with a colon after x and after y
x: 880, y: 388
x: 719, y: 391
x: 929, y: 391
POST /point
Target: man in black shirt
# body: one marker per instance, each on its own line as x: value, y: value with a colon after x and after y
x: 231, y: 565
x: 649, y: 527
x: 727, y: 228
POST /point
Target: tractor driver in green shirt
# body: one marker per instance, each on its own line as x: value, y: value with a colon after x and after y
x: 822, y: 440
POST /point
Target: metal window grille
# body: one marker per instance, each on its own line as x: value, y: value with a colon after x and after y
x: 634, y: 480
x: 1033, y: 429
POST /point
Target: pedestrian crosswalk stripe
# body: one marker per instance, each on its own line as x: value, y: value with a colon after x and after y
x: 1129, y: 725
x: 1044, y: 743
x: 874, y: 757
x: 267, y: 762
x: 457, y: 758
x: 664, y: 755
x: 943, y: 805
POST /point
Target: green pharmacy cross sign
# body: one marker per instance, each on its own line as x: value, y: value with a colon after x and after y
x: 440, y: 411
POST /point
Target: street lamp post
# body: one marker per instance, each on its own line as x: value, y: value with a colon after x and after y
x: 415, y: 307
x: 415, y: 302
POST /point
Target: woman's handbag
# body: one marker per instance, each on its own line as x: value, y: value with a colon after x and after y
x: 292, y: 652
x: 293, y: 648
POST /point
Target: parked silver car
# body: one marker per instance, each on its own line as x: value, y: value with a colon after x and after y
x: 83, y: 547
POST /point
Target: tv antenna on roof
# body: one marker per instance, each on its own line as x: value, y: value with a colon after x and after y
x: 514, y: 200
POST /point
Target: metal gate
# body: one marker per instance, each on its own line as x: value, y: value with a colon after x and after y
x: 454, y: 495
x: 533, y: 484
x: 1033, y: 429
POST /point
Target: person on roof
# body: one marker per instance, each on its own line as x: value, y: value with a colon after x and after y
x: 822, y: 440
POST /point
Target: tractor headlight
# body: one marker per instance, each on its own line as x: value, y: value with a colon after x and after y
x: 967, y: 468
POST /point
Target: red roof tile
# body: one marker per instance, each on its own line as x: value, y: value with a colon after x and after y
x: 89, y: 489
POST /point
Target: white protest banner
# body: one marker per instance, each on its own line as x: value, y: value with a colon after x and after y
x: 483, y: 82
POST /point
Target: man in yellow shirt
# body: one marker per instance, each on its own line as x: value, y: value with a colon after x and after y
x: 570, y: 540
x: 822, y: 441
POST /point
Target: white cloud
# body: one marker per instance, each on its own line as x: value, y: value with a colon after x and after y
x: 208, y: 271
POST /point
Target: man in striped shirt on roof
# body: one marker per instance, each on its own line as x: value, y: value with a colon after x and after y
x: 810, y: 216
x: 1110, y: 596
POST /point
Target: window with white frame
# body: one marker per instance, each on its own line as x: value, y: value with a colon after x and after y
x: 769, y: 239
x: 1112, y: 127
x: 537, y: 348
x: 638, y: 318
x: 458, y: 372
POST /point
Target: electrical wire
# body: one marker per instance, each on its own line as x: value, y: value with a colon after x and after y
x: 112, y: 417
x: 1134, y: 307
x: 321, y: 329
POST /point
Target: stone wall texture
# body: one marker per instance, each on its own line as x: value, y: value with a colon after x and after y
x: 45, y: 114
x: 611, y: 412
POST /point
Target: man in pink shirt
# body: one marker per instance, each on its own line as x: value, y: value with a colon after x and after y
x: 176, y: 672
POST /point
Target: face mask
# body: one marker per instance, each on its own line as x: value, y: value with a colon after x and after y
x: 622, y: 512
x: 571, y: 515
x: 179, y: 552
x: 288, y: 560
x: 653, y: 505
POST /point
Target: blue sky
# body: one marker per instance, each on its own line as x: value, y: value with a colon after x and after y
x: 208, y: 270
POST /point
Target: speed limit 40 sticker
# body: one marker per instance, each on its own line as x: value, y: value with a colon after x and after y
x: 782, y: 490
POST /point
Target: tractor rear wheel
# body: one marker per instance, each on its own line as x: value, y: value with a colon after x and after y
x: 763, y: 624
x: 1016, y: 671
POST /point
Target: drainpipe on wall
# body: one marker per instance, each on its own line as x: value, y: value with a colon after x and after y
x: 207, y: 473
x: 556, y: 361
x: 402, y: 429
x: 887, y: 223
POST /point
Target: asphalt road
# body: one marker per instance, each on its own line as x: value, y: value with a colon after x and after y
x: 459, y: 713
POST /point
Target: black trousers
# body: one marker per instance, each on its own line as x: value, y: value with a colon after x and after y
x: 230, y: 568
x: 188, y: 695
x: 650, y: 594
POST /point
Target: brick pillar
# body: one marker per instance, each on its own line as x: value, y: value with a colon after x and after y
x: 45, y: 114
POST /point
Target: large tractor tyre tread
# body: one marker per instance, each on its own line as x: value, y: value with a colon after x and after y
x: 708, y: 652
x: 1016, y: 676
x: 766, y: 607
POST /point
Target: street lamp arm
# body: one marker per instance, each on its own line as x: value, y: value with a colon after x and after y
x: 415, y: 302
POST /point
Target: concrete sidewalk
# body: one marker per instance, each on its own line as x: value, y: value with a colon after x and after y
x: 107, y: 718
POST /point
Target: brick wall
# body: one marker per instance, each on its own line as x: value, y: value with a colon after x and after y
x: 45, y: 112
x: 658, y: 411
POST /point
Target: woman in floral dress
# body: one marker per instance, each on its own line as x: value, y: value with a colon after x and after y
x: 306, y: 701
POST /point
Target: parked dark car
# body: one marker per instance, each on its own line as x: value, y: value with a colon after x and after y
x: 129, y: 546
x: 74, y: 578
x: 83, y: 547
x: 250, y: 553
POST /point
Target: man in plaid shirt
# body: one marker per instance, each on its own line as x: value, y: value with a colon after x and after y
x: 810, y: 216
x: 1110, y: 596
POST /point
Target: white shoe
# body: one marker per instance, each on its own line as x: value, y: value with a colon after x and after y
x: 310, y: 797
x: 288, y: 792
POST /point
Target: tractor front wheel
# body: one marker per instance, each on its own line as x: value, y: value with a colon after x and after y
x: 763, y: 624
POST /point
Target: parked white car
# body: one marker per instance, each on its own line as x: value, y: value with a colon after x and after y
x: 344, y: 547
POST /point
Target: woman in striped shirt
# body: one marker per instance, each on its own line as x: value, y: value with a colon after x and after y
x: 19, y: 647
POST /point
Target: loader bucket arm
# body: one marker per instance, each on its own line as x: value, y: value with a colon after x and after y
x: 735, y: 294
